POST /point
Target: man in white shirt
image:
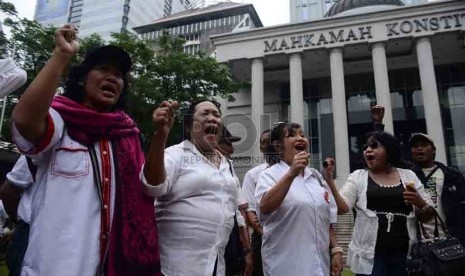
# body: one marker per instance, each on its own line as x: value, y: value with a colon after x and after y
x: 248, y: 188
x: 18, y: 186
x: 239, y: 242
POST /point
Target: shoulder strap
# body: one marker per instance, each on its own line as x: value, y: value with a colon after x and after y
x: 316, y: 174
x: 230, y: 167
x: 96, y: 171
x: 32, y: 168
x: 431, y: 173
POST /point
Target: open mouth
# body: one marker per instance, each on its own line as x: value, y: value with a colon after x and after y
x: 370, y: 157
x: 108, y: 89
x: 300, y: 147
x: 211, y: 130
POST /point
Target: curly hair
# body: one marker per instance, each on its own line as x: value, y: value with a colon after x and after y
x: 74, y: 85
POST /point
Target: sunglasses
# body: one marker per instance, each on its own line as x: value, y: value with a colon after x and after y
x: 278, y: 124
x: 372, y: 145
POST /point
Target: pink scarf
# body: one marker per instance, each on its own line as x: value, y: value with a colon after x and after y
x: 134, y: 239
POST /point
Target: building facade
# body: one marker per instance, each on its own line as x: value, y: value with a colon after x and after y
x: 326, y: 74
x: 197, y: 25
x: 105, y: 17
x: 308, y: 10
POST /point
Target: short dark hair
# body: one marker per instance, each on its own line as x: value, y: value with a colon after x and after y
x: 74, y: 85
x: 392, y: 145
x: 265, y: 132
x: 188, y: 116
x: 277, y: 135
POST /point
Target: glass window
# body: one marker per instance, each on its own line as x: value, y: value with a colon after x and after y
x: 451, y: 90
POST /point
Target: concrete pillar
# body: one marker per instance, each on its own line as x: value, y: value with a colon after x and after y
x: 429, y: 89
x: 341, y: 134
x: 383, y: 95
x: 257, y: 103
x: 297, y: 97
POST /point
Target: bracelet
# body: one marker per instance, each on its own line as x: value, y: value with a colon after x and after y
x: 336, y: 249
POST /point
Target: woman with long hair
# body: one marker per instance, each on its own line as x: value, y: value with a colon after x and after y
x: 388, y: 200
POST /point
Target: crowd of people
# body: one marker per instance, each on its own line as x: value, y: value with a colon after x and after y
x: 88, y: 201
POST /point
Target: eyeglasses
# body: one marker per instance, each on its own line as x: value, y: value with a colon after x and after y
x: 372, y: 145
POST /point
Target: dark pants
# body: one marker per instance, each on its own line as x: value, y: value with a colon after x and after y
x: 15, y: 256
x: 233, y: 256
x: 389, y: 264
x: 257, y: 254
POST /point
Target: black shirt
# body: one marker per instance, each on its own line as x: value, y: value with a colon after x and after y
x: 389, y: 199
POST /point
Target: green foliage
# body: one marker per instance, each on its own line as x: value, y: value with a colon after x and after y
x: 164, y: 73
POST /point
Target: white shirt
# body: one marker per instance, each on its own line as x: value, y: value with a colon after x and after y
x: 11, y: 77
x: 21, y: 177
x: 65, y: 212
x: 361, y: 252
x: 194, y: 208
x: 250, y: 183
x: 434, y: 190
x: 296, y: 235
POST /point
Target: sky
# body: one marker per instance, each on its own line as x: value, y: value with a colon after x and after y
x: 271, y: 12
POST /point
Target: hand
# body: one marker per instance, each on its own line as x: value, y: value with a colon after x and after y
x: 66, y: 40
x: 6, y: 237
x: 329, y: 167
x: 336, y: 264
x: 411, y: 196
x: 299, y: 164
x: 163, y: 117
x: 248, y: 269
x: 377, y: 114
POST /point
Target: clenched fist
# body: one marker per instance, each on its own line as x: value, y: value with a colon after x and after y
x: 163, y: 117
x: 66, y: 40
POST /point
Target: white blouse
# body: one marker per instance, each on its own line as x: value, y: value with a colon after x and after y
x: 296, y: 235
x: 361, y: 253
x: 194, y: 209
x: 250, y: 184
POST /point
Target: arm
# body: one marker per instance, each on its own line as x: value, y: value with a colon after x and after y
x: 420, y: 200
x: 163, y: 119
x: 248, y: 189
x: 10, y: 195
x: 336, y: 253
x: 377, y: 115
x: 273, y: 198
x: 245, y: 242
x: 29, y: 115
x: 342, y: 207
x: 254, y: 222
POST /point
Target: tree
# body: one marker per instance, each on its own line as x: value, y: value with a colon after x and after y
x: 165, y: 73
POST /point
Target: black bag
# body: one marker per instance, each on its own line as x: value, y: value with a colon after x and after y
x: 437, y: 257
